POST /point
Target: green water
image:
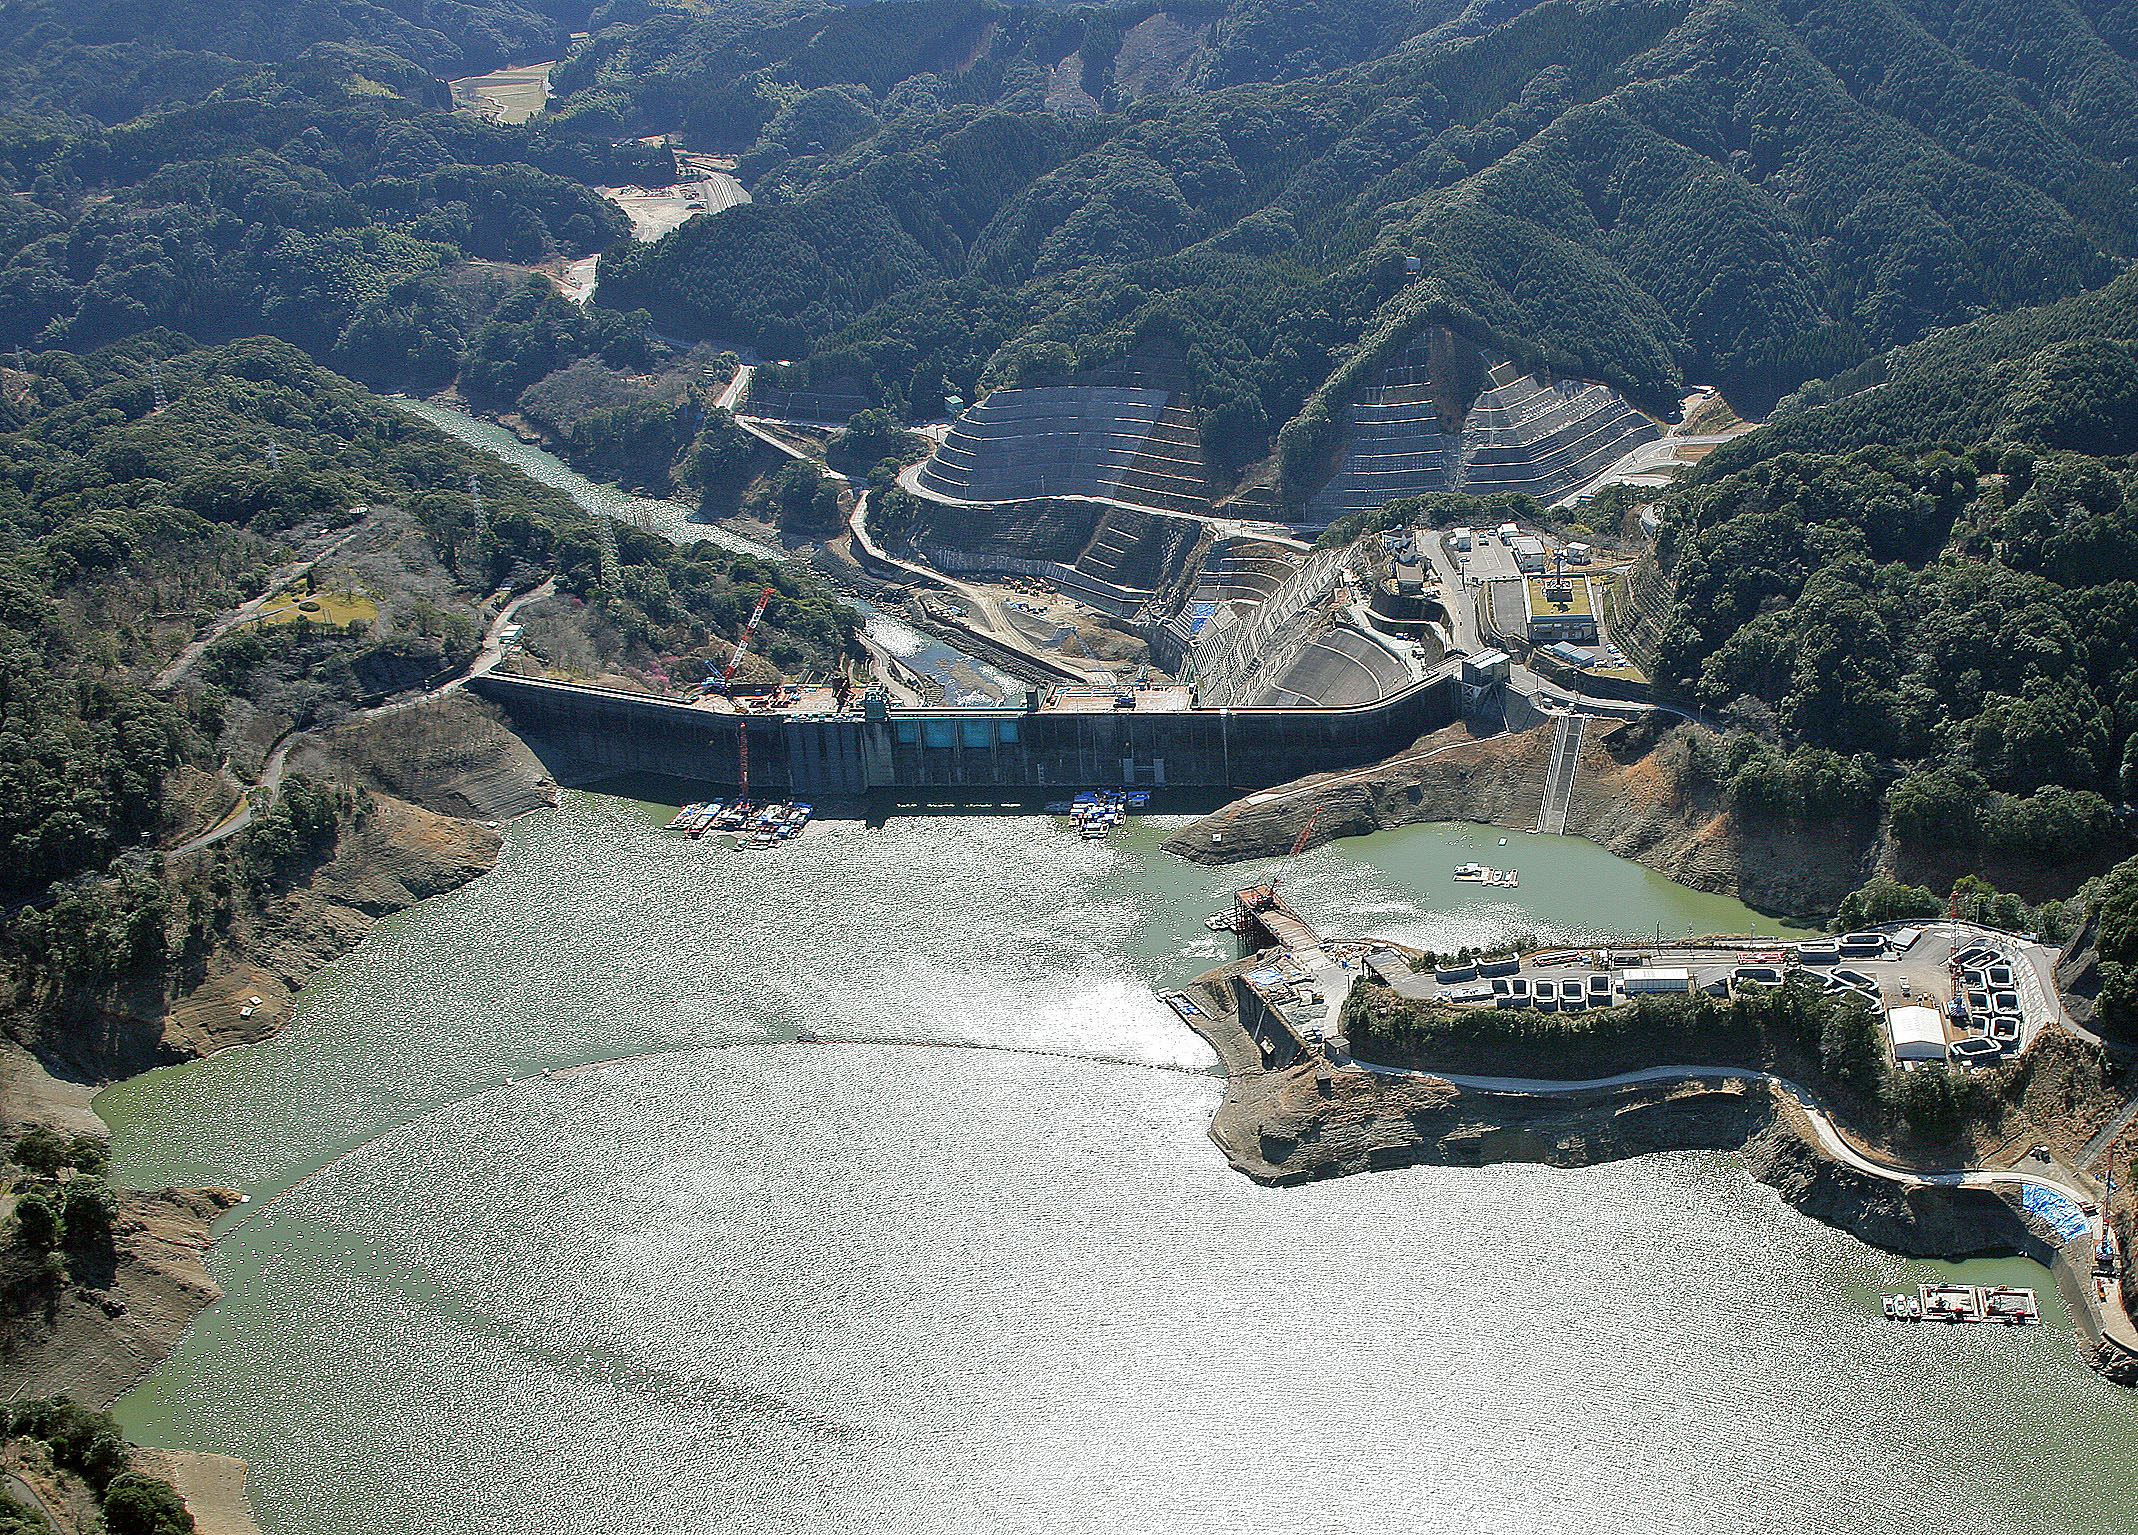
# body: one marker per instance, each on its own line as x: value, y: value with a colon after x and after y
x: 673, y: 519
x: 989, y: 1273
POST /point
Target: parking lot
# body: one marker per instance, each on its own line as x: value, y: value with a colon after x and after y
x: 1487, y: 559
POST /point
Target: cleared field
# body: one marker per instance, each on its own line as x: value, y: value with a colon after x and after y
x: 323, y: 608
x: 654, y: 211
x: 505, y: 95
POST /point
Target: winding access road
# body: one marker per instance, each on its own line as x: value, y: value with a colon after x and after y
x: 244, y: 612
x: 486, y: 659
x: 1830, y: 1137
x: 991, y: 624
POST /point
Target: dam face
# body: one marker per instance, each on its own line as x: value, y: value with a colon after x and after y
x: 981, y: 749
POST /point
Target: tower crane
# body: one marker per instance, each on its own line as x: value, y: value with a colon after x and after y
x: 727, y: 676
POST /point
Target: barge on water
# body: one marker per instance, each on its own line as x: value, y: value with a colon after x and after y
x: 1478, y: 874
x: 2011, y: 1305
x: 752, y: 824
x: 1097, y: 812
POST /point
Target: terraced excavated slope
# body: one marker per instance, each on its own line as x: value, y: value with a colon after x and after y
x: 1336, y: 668
x: 1124, y: 433
x: 1113, y: 558
x: 1412, y: 433
x: 1092, y: 483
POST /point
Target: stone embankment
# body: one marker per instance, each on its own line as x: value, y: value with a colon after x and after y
x: 1626, y: 798
x: 1313, y: 1120
x: 107, y: 1328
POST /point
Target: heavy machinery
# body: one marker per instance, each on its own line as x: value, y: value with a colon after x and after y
x: 721, y: 683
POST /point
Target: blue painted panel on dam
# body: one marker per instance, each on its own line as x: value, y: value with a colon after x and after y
x: 1204, y: 611
x: 2068, y: 1219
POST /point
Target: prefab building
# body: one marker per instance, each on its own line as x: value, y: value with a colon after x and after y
x: 1918, y: 1033
x: 1528, y: 554
x: 1653, y: 980
x: 1486, y: 668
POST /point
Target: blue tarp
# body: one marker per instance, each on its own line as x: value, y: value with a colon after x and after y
x: 2068, y: 1219
x: 1204, y: 611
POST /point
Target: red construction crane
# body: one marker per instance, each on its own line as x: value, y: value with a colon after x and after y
x: 1305, y: 832
x: 742, y: 641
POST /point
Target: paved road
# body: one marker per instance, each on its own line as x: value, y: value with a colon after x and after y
x: 737, y: 387
x: 240, y: 817
x: 1649, y: 458
x: 26, y: 1495
x: 1830, y: 1137
x: 983, y: 611
x: 2098, y: 1146
x: 1460, y: 599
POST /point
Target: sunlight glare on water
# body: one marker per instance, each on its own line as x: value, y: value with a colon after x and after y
x: 749, y: 1284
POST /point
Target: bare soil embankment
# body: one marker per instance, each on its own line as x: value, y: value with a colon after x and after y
x: 1311, y: 1121
x: 1317, y: 1119
x: 443, y: 774
x: 92, y: 1337
x: 107, y: 1324
x: 1626, y: 798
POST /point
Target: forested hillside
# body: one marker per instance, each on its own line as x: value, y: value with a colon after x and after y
x: 1926, y: 557
x: 1637, y: 192
x: 124, y: 529
x: 1940, y: 568
x: 296, y: 201
x: 110, y: 60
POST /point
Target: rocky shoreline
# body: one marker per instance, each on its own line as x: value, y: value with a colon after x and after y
x: 443, y: 777
x: 1625, y: 798
x: 1315, y: 1120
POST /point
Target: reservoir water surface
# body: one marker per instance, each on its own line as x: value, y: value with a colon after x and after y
x: 987, y: 1272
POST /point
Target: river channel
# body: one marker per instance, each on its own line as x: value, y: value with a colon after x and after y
x: 982, y: 1269
x: 964, y: 679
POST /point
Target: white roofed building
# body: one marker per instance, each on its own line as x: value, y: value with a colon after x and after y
x: 1918, y: 1033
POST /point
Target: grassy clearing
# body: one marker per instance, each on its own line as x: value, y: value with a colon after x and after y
x: 323, y: 608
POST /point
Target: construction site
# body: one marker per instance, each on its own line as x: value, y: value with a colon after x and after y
x: 1069, y: 533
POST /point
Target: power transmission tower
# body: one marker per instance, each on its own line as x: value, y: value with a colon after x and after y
x: 155, y: 379
x: 475, y: 494
x: 612, y: 574
x: 274, y: 455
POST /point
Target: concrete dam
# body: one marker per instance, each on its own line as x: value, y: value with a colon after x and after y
x: 1086, y: 745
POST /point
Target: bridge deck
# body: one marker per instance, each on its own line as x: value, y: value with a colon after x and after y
x: 1262, y: 906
